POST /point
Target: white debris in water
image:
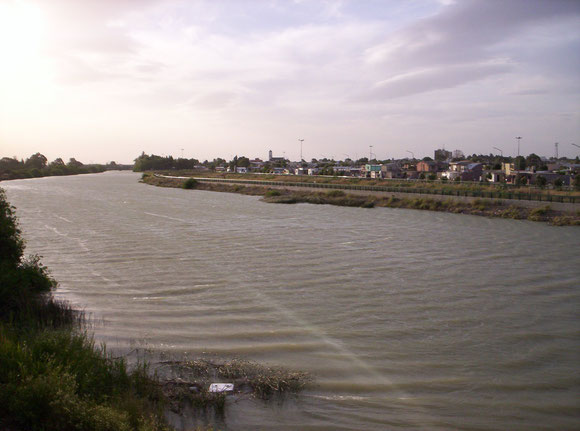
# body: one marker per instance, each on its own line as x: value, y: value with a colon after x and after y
x: 221, y: 387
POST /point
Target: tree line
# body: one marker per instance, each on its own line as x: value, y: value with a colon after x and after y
x: 37, y: 165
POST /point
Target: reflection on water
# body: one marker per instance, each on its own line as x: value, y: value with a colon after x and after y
x: 407, y: 319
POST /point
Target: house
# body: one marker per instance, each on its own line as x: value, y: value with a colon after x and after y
x: 256, y: 165
x: 392, y: 170
x: 465, y: 170
x: 495, y: 176
x: 278, y: 171
x: 427, y: 166
x: 312, y: 171
x: 241, y: 170
x: 373, y: 171
x: 431, y: 166
x: 342, y: 170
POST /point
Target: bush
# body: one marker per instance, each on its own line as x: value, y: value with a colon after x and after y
x: 539, y: 214
x: 336, y: 194
x: 541, y: 181
x: 270, y: 193
x: 189, y: 184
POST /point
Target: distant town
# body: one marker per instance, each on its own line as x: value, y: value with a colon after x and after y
x: 444, y: 166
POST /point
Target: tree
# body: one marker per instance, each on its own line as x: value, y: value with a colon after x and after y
x: 534, y: 160
x: 576, y: 182
x: 74, y: 163
x: 520, y: 163
x: 427, y: 159
x: 558, y: 183
x: 243, y: 162
x: 36, y: 161
x: 541, y: 181
x: 432, y: 177
x: 56, y: 162
x: 10, y: 164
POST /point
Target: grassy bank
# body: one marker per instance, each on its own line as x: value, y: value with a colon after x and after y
x: 445, y: 187
x: 481, y: 207
x: 54, y: 377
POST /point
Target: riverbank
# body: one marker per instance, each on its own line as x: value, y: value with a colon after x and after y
x: 481, y: 207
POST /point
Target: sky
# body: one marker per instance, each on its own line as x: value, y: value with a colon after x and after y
x: 103, y: 80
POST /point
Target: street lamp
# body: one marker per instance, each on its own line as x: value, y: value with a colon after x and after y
x: 301, y: 140
x: 500, y: 151
x: 518, y: 138
x: 412, y: 154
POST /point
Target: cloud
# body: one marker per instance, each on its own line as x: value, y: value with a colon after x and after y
x: 458, y: 45
x: 420, y: 81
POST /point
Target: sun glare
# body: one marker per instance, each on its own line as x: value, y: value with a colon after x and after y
x: 24, y: 66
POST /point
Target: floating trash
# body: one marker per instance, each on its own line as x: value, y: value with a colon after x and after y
x: 221, y: 387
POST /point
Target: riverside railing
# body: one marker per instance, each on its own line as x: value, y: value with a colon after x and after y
x: 546, y: 197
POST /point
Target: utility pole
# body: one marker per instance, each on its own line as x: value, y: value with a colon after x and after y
x: 518, y: 138
x: 301, y: 141
x: 182, y: 153
x: 370, y: 153
x: 556, y: 149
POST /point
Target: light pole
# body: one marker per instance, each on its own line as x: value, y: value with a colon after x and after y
x: 182, y: 153
x: 301, y: 140
x: 578, y: 146
x: 500, y: 151
x: 411, y: 153
x: 370, y: 153
x: 518, y: 138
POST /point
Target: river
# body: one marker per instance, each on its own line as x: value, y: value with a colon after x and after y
x: 407, y: 319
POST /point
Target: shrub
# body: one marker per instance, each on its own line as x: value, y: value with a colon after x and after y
x: 541, y: 181
x: 336, y: 194
x: 189, y: 184
x: 270, y: 193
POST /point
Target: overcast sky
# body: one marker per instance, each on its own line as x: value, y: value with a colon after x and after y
x: 103, y: 80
